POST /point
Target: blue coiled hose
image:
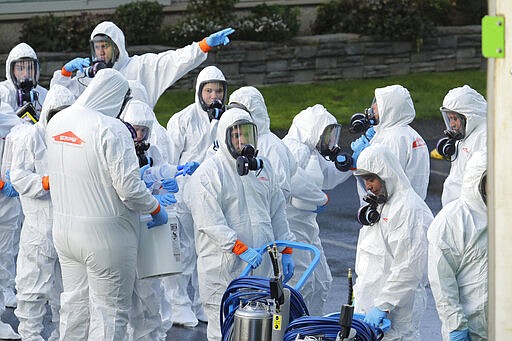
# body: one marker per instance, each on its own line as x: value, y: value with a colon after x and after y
x: 328, y: 327
x: 253, y: 289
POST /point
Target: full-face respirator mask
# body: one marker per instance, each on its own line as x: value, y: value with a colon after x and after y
x: 216, y: 108
x: 447, y: 146
x: 241, y: 139
x: 24, y: 73
x: 368, y: 214
x: 141, y: 146
x: 360, y: 122
x: 329, y: 147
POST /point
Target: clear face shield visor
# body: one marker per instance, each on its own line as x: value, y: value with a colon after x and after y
x: 24, y: 73
x: 374, y: 186
x: 104, y: 49
x: 211, y: 91
x: 142, y: 132
x: 455, y: 122
x: 370, y: 113
x: 330, y: 140
x: 239, y: 135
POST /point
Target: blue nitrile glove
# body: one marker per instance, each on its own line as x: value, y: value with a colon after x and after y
x: 170, y: 185
x: 359, y: 144
x: 219, y: 38
x: 459, y: 335
x: 370, y: 133
x: 165, y: 199
x: 77, y: 64
x: 188, y: 168
x: 252, y: 257
x: 8, y: 190
x: 374, y: 317
x: 288, y: 266
x: 159, y: 218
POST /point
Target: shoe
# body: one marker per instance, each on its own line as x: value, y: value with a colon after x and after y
x: 10, y: 298
x: 183, y: 316
x: 6, y: 332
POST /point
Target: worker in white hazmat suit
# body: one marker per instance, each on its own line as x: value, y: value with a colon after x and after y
x: 156, y: 72
x: 158, y: 135
x: 22, y: 73
x: 234, y: 211
x: 390, y: 115
x: 38, y: 276
x: 10, y: 210
x: 313, y: 136
x: 190, y: 131
x: 145, y: 317
x: 97, y: 195
x: 458, y: 258
x: 464, y: 112
x: 391, y: 256
x: 269, y: 145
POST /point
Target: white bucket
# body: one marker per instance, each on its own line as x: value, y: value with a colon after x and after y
x: 159, y: 248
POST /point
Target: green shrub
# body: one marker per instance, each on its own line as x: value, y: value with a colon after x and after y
x: 140, y: 21
x: 50, y: 33
x: 383, y: 19
x: 269, y: 23
x: 188, y: 30
x: 51, y: 40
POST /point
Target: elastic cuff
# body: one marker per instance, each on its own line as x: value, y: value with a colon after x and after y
x: 239, y: 247
x: 65, y: 72
x: 46, y: 182
x: 204, y: 46
x: 287, y: 251
x: 156, y: 210
x: 2, y: 185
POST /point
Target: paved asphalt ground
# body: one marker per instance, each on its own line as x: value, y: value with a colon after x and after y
x: 339, y: 232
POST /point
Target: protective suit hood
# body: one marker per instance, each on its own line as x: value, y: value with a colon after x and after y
x: 253, y: 100
x: 138, y: 91
x: 58, y: 96
x: 468, y: 102
x: 105, y: 93
x: 22, y: 50
x: 113, y: 32
x: 208, y: 74
x: 139, y: 113
x: 396, y: 108
x: 227, y: 119
x: 378, y: 159
x: 308, y: 125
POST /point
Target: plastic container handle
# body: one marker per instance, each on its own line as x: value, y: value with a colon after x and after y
x: 293, y: 245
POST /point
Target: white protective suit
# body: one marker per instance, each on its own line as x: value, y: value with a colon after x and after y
x: 269, y: 145
x: 458, y: 255
x: 38, y: 275
x: 391, y: 256
x: 314, y: 174
x: 97, y: 195
x: 190, y: 132
x: 227, y: 207
x: 8, y: 90
x: 145, y: 318
x: 396, y: 112
x: 155, y: 71
x: 10, y: 210
x: 473, y: 106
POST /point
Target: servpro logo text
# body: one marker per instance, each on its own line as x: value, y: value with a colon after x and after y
x: 68, y: 137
